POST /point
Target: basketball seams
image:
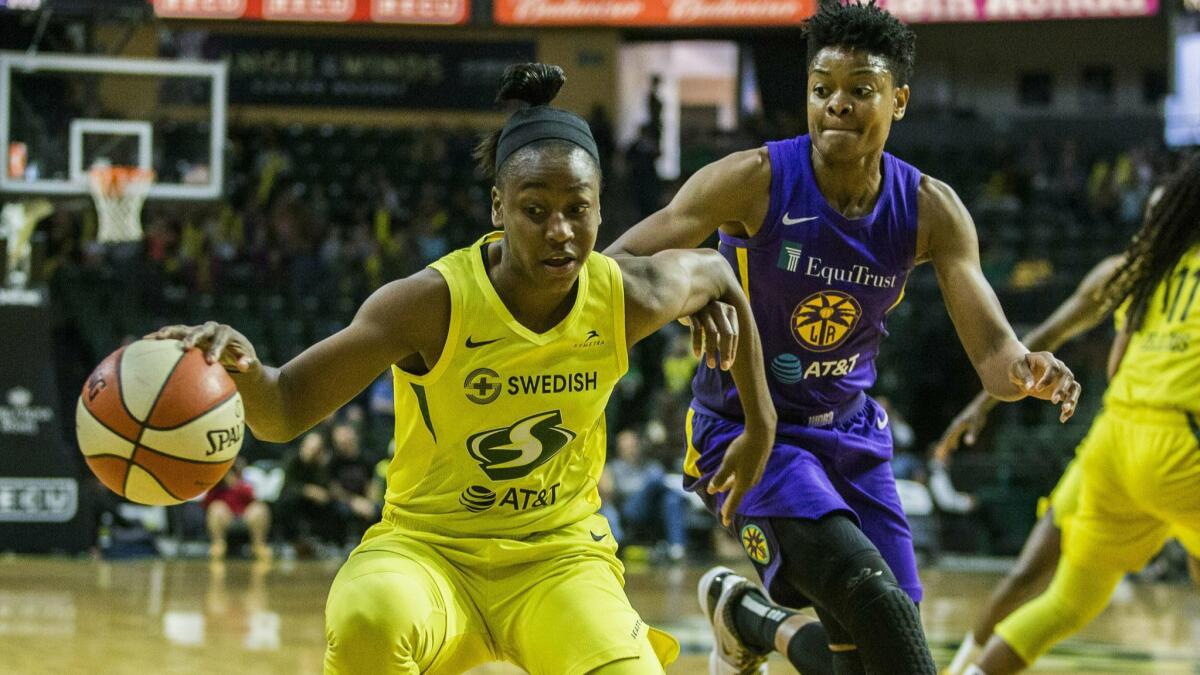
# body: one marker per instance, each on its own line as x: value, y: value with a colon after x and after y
x: 150, y: 473
x: 157, y: 396
x: 167, y: 455
x: 104, y: 424
x: 189, y: 392
x: 121, y: 389
x: 125, y: 465
x: 142, y: 430
x: 215, y: 406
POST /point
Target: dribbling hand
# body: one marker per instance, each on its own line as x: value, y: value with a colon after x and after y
x: 220, y: 343
x: 1041, y: 375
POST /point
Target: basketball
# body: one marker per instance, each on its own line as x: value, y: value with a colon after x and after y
x: 157, y: 424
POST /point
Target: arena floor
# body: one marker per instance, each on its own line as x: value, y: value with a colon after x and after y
x: 185, y: 616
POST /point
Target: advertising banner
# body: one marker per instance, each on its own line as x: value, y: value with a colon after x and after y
x: 337, y: 11
x: 447, y: 75
x: 653, y: 12
x: 41, y: 505
x: 792, y: 12
x: 934, y: 11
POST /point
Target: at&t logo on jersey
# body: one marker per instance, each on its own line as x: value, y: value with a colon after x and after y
x: 516, y: 450
x: 478, y: 499
x: 823, y: 320
x: 787, y: 368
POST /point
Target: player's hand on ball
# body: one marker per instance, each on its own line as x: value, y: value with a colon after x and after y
x: 742, y: 468
x: 714, y: 333
x: 1041, y: 375
x: 220, y: 343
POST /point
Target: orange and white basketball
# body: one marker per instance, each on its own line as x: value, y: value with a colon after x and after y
x: 157, y: 424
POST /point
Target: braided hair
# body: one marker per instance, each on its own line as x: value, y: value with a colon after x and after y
x: 1170, y: 228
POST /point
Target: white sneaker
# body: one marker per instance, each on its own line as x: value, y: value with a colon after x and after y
x: 719, y: 590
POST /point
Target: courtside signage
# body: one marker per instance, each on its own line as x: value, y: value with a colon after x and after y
x: 334, y: 11
x: 653, y: 12
x: 934, y: 11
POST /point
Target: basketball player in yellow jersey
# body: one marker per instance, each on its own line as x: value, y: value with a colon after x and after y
x: 1029, y: 576
x: 504, y: 356
x: 1139, y: 467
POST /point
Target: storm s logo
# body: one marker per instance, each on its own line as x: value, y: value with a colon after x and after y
x: 516, y: 450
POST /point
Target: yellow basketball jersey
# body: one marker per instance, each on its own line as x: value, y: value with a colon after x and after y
x: 1161, y: 368
x: 506, y: 436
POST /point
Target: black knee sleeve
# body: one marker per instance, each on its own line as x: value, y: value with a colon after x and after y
x: 863, y: 595
x: 833, y: 564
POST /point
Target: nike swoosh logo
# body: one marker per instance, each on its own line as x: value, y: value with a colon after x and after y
x: 882, y: 421
x: 472, y: 345
x: 792, y: 221
x: 597, y: 537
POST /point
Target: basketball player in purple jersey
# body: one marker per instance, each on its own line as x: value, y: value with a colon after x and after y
x: 823, y: 231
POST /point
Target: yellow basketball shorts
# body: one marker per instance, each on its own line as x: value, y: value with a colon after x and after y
x: 1064, y: 498
x: 1139, y: 476
x: 412, y: 601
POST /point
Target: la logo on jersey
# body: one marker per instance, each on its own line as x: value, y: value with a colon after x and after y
x: 516, y: 450
x: 824, y: 320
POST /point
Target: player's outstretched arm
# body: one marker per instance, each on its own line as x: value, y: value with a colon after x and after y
x: 731, y: 191
x: 1079, y: 313
x: 402, y: 319
x: 674, y: 284
x: 1008, y: 370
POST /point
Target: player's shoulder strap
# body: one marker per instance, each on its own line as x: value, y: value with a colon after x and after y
x: 789, y: 174
x: 607, y: 282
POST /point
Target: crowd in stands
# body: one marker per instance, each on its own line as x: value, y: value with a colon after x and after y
x: 318, y: 217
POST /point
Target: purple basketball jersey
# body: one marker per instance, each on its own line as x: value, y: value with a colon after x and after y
x: 820, y: 286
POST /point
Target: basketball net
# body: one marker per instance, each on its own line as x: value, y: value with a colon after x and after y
x: 119, y: 192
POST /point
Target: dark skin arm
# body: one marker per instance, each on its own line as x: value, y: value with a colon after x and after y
x: 403, y: 322
x: 1077, y: 314
x: 1117, y: 352
x: 674, y: 284
x: 731, y: 195
x: 406, y: 322
x: 1009, y: 371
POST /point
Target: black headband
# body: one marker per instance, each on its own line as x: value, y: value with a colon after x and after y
x: 540, y: 123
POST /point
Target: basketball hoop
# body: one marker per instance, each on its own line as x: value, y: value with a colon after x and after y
x: 119, y: 192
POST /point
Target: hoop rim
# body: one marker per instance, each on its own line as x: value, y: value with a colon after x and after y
x: 112, y: 180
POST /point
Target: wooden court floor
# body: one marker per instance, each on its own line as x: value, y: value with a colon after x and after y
x: 153, y: 617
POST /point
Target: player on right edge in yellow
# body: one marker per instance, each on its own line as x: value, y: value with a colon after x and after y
x: 1139, y: 467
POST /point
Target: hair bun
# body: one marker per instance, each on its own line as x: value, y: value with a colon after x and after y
x: 532, y: 83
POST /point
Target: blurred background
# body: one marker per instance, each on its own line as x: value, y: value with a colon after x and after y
x: 328, y: 152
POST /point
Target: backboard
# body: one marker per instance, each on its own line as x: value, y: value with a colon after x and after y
x: 62, y: 114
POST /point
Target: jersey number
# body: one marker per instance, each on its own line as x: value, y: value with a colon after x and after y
x: 1171, y: 303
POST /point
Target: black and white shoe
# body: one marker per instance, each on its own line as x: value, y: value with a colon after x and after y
x: 719, y: 591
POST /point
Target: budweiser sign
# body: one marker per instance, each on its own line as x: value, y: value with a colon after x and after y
x: 653, y: 12
x: 931, y: 11
x: 339, y: 11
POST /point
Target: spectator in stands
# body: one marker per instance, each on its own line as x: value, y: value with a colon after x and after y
x: 230, y: 502
x: 644, y: 502
x: 641, y: 173
x: 350, y: 474
x: 305, y: 508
